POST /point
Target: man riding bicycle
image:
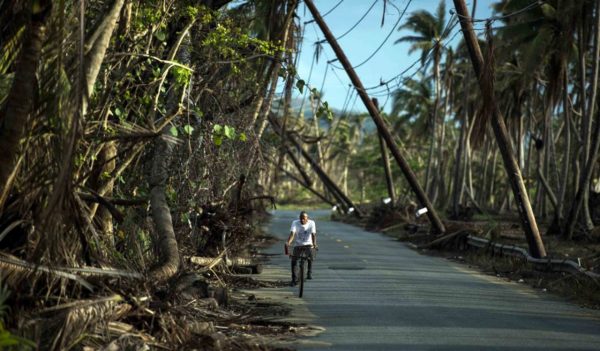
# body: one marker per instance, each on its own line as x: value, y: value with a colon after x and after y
x: 305, y: 232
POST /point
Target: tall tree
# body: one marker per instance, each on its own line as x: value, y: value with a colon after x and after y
x: 429, y: 35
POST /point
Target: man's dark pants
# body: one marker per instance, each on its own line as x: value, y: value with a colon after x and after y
x: 298, y: 250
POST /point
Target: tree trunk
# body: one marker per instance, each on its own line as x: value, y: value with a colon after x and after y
x: 492, y: 192
x: 161, y: 213
x: 485, y: 188
x: 266, y: 108
x: 20, y: 100
x: 429, y: 180
x: 386, y: 164
x: 557, y: 222
x: 96, y: 49
x: 442, y: 193
x: 168, y: 264
x: 458, y: 180
x: 107, y: 159
x: 536, y: 246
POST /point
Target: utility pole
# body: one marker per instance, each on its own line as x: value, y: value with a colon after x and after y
x: 435, y: 220
x: 386, y: 162
x: 532, y: 234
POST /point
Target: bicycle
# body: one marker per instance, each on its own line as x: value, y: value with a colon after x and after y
x: 302, y: 254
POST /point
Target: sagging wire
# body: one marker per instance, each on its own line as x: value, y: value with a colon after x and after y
x: 532, y: 5
x: 386, y: 38
x: 358, y: 22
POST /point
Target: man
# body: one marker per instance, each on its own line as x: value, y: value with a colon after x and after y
x: 305, y: 232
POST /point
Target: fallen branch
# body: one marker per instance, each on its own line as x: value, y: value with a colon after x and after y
x: 109, y: 272
x: 14, y: 266
x: 393, y: 226
x: 211, y: 262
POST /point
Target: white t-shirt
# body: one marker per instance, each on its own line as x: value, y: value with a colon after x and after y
x: 303, y: 232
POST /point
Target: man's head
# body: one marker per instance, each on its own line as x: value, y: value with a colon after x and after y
x: 303, y: 217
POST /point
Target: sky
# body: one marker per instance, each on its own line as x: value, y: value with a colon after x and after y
x: 360, y: 43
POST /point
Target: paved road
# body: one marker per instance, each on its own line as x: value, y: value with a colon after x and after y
x: 371, y: 292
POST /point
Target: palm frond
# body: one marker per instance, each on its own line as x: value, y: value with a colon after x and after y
x: 16, y: 270
x: 10, y: 50
x: 421, y: 22
x: 411, y: 39
x: 440, y: 17
x: 67, y: 322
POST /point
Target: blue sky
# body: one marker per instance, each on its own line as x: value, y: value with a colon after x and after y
x: 361, y: 42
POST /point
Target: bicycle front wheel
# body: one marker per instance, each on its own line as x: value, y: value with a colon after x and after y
x: 302, y: 264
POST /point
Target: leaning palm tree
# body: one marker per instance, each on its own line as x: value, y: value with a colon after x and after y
x: 428, y: 36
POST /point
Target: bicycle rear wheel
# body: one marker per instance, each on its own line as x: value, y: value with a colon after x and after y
x: 302, y: 264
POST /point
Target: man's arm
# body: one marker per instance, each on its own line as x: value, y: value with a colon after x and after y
x: 314, y: 239
x: 290, y: 238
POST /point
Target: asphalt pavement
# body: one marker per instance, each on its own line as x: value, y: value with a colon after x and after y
x: 371, y: 292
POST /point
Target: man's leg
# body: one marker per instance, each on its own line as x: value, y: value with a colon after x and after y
x: 311, y: 256
x: 294, y: 268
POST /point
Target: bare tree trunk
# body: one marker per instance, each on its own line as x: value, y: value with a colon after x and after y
x: 19, y: 103
x: 587, y: 107
x: 458, y: 180
x: 161, y: 213
x: 484, y: 194
x: 107, y: 157
x: 468, y: 168
x: 558, y: 220
x: 442, y: 193
x: 492, y: 192
x: 530, y: 146
x: 430, y: 182
x: 96, y: 48
x: 266, y: 108
x: 521, y: 141
x: 345, y: 175
x: 430, y: 154
x: 536, y: 246
x: 314, y: 106
x: 386, y: 164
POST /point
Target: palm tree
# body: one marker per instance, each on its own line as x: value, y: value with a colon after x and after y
x: 429, y: 35
x: 543, y: 42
